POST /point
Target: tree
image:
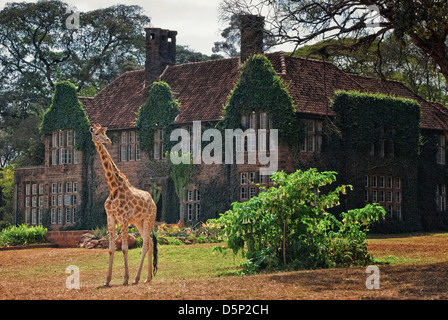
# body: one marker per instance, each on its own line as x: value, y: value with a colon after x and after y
x: 37, y: 50
x: 423, y: 23
x: 7, y: 193
x: 180, y: 174
x: 34, y: 40
x: 185, y: 54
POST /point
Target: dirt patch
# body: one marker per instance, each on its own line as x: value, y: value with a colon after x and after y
x: 40, y: 274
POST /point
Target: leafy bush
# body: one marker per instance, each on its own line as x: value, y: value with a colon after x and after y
x: 22, y: 234
x: 289, y: 226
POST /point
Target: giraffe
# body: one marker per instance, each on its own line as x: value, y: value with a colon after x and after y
x: 126, y: 205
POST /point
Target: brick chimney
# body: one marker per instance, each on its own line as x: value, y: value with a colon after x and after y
x: 160, y: 52
x: 252, y: 28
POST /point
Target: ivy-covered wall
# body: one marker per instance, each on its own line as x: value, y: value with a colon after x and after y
x: 259, y: 88
x: 430, y: 174
x: 374, y: 133
x: 158, y: 113
x: 66, y: 112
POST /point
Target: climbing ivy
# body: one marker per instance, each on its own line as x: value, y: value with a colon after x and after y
x: 66, y: 112
x: 259, y: 88
x: 158, y: 112
x: 375, y: 133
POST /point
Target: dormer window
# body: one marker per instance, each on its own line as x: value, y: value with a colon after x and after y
x: 63, y: 148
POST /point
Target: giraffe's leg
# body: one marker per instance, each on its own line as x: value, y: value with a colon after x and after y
x: 150, y: 252
x: 139, y: 226
x: 124, y: 248
x: 144, y: 250
x: 111, y: 227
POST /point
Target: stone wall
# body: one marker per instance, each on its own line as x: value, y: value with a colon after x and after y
x: 68, y: 239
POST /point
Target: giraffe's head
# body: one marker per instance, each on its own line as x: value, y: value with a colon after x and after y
x: 99, y: 134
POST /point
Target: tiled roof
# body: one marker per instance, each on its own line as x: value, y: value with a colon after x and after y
x: 202, y: 89
x: 116, y: 105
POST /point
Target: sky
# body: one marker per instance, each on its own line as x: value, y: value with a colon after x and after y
x: 196, y: 21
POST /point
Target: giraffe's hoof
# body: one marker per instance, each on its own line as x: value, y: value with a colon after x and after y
x: 148, y: 280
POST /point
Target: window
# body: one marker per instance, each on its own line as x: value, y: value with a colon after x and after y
x: 381, y: 182
x: 63, y: 148
x: 197, y: 195
x: 441, y: 197
x: 373, y: 182
x: 252, y: 192
x: 59, y: 216
x: 441, y: 151
x: 261, y: 123
x: 190, y: 211
x: 54, y: 188
x: 398, y: 197
x: 243, y: 193
x: 193, y: 204
x: 381, y: 196
x: 33, y: 216
x: 158, y: 144
x: 123, y: 153
x: 251, y: 177
x: 28, y: 189
x: 263, y: 120
x: 68, y: 215
x: 389, y: 182
x: 243, y: 178
x: 389, y: 196
x: 129, y: 147
x: 53, y: 216
x: 68, y: 187
x: 313, y: 139
x: 374, y: 196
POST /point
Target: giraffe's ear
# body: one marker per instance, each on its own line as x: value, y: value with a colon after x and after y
x: 105, y: 129
x: 91, y: 129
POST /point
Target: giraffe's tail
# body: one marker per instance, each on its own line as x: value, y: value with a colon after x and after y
x: 154, y: 263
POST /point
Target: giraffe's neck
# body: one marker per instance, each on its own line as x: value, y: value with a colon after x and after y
x: 114, y: 177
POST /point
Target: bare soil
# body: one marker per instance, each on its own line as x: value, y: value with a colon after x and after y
x: 411, y: 267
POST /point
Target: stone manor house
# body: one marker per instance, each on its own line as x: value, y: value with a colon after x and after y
x: 54, y: 192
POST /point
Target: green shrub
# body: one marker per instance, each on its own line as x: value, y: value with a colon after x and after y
x: 22, y: 235
x: 289, y: 225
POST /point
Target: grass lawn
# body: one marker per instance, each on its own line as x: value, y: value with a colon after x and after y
x: 411, y: 267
